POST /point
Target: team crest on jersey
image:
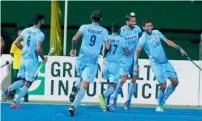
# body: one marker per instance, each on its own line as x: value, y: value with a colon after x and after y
x: 131, y: 37
x: 153, y: 40
x: 156, y: 37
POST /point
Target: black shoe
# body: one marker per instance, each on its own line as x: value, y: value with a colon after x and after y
x: 71, y: 111
x: 73, y: 93
x: 107, y: 109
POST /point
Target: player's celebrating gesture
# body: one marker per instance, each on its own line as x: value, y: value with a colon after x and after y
x: 131, y: 33
x: 161, y: 67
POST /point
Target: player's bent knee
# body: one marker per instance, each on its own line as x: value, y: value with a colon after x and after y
x: 123, y: 79
x: 174, y: 82
x: 113, y: 85
x: 84, y: 84
x: 27, y: 84
x: 133, y: 80
x: 163, y: 86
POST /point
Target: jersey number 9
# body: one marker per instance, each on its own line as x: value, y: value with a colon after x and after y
x: 92, y: 40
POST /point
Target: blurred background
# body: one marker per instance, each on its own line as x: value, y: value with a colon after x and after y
x: 179, y: 21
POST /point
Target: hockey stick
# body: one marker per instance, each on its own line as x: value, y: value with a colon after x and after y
x: 7, y: 62
x: 50, y: 52
x: 193, y: 62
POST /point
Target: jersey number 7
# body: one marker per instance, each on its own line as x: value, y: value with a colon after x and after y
x: 113, y: 48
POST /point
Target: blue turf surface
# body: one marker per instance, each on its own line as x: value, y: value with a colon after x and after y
x: 51, y: 112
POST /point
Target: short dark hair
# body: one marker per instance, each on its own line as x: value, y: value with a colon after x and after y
x: 115, y: 27
x: 146, y: 21
x: 96, y: 15
x: 20, y: 28
x: 128, y: 16
x: 37, y: 17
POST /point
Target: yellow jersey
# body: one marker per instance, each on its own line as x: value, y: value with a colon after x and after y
x: 16, y: 55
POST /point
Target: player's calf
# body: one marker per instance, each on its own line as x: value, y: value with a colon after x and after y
x: 170, y: 89
x: 75, y: 89
x: 161, y: 94
x: 80, y: 95
x: 132, y: 89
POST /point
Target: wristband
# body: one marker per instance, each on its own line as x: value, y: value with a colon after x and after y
x: 178, y: 47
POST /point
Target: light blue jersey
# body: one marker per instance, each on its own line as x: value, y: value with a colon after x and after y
x: 93, y: 37
x: 132, y: 37
x: 112, y: 58
x: 116, y: 48
x: 131, y: 40
x: 29, y: 56
x: 152, y: 46
x: 160, y: 65
x: 30, y: 37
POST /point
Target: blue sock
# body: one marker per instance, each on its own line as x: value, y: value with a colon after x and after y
x: 160, y: 97
x: 117, y: 91
x: 15, y: 85
x: 78, y: 82
x: 170, y: 89
x: 79, y: 97
x: 23, y: 92
x: 132, y: 89
x: 107, y: 94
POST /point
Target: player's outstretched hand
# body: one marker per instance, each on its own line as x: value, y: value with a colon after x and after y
x: 72, y: 53
x: 183, y: 52
x: 136, y: 68
x: 45, y: 60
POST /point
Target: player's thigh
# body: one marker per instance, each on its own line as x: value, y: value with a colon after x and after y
x: 31, y: 68
x: 79, y: 67
x: 114, y: 72
x: 106, y: 70
x: 21, y: 72
x: 89, y: 72
x: 125, y: 67
x: 170, y: 71
x: 159, y: 72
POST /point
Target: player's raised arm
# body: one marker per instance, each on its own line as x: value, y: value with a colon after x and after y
x: 172, y: 44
